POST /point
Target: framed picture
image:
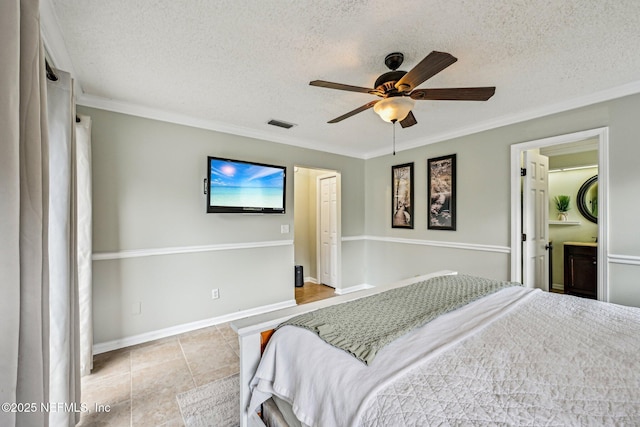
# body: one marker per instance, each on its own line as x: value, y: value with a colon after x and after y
x: 441, y: 187
x: 402, y: 196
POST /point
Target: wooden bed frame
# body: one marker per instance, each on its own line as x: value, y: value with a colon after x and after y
x: 254, y: 333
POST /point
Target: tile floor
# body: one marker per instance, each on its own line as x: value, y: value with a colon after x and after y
x: 139, y: 384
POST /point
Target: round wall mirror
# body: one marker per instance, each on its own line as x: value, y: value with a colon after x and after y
x: 588, y: 199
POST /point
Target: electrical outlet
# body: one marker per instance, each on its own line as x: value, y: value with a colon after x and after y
x: 215, y: 293
x: 284, y: 228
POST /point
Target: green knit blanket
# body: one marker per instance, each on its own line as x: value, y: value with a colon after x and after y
x: 364, y: 326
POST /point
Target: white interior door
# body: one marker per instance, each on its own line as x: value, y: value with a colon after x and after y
x: 328, y: 231
x: 535, y: 219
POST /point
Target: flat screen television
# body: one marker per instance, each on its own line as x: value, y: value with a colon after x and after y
x: 238, y: 186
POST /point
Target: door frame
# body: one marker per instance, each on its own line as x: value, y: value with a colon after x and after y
x: 602, y: 134
x: 338, y: 266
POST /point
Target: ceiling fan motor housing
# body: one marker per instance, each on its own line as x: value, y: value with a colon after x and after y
x: 386, y: 82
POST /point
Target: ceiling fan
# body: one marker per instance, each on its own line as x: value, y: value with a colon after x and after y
x: 398, y: 89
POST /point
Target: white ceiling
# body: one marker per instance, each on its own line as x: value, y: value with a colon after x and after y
x: 232, y: 65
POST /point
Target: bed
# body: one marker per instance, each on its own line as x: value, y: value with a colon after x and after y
x: 513, y: 356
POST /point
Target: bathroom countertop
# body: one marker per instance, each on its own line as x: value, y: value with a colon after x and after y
x: 591, y: 244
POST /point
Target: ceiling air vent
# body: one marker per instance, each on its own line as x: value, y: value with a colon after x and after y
x: 280, y: 124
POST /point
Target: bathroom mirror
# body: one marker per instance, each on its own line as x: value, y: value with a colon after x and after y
x: 588, y: 199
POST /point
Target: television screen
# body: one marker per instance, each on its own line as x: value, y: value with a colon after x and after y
x: 241, y: 186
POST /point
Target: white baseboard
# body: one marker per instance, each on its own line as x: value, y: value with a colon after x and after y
x: 557, y: 287
x: 353, y: 289
x: 341, y: 291
x: 187, y: 327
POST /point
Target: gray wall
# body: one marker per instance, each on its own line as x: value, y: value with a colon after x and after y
x: 147, y: 185
x: 147, y: 178
x: 306, y: 210
x: 304, y: 239
x: 483, y: 200
x: 482, y: 214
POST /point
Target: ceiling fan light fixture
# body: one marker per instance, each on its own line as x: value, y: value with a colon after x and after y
x: 394, y: 108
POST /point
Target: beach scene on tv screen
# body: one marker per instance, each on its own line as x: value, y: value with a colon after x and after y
x: 245, y: 185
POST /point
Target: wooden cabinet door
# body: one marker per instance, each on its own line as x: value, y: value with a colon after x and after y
x: 581, y: 271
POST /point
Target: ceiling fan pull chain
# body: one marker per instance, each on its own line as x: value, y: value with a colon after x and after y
x: 394, y: 137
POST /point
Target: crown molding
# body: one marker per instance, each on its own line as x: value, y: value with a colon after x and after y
x: 536, y: 113
x: 57, y: 50
x: 171, y: 117
x: 124, y: 107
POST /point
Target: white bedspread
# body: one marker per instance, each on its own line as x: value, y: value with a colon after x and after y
x: 512, y: 358
x: 555, y: 360
x: 326, y: 385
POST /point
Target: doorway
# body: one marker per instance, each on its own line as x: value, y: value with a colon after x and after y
x: 317, y: 225
x: 529, y: 228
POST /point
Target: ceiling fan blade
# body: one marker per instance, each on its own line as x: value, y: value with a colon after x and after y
x: 354, y: 112
x: 431, y: 65
x: 454, y: 94
x: 340, y: 86
x: 410, y: 120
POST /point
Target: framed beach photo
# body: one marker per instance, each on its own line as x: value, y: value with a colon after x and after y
x: 402, y: 196
x: 441, y: 188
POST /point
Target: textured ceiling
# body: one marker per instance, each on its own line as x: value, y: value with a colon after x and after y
x: 234, y: 65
